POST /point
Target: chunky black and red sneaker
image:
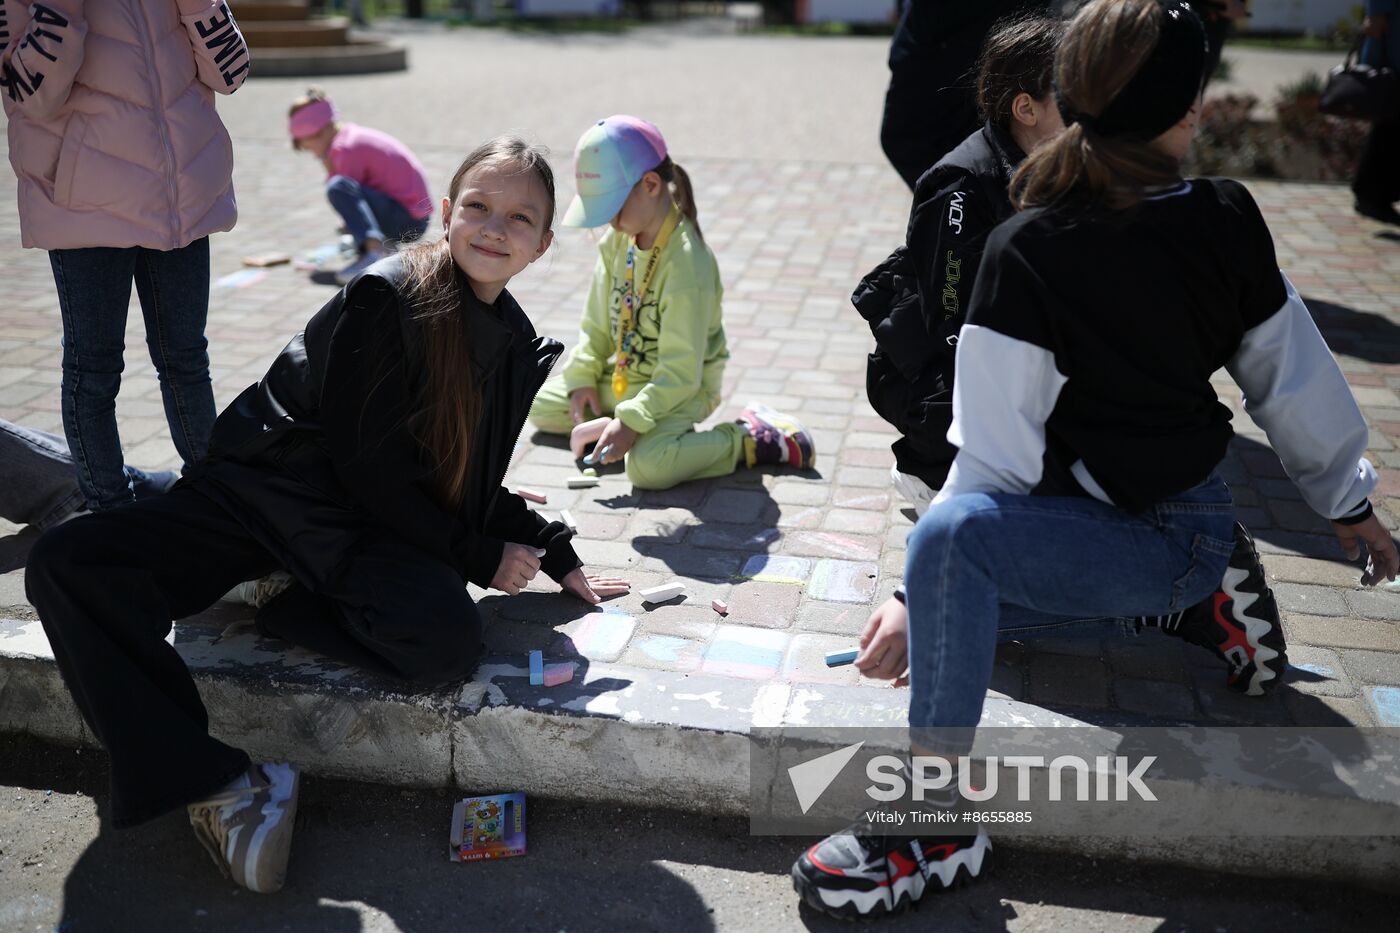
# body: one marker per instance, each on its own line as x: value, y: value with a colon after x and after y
x: 1239, y: 622
x: 864, y: 872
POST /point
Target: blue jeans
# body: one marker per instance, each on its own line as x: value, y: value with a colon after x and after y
x: 40, y: 485
x: 981, y: 565
x: 370, y: 214
x: 94, y: 291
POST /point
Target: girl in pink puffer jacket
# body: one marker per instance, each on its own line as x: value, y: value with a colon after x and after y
x: 124, y: 170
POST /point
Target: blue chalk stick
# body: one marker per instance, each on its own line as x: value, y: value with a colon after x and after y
x: 597, y: 455
x: 537, y: 668
x: 838, y: 658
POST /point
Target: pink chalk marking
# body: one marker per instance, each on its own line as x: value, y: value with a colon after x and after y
x: 720, y: 606
x: 556, y: 674
x: 530, y: 494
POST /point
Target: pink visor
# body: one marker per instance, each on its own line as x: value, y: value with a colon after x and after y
x: 311, y: 119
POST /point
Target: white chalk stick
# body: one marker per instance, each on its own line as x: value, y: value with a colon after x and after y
x: 530, y: 494
x: 582, y: 482
x: 568, y: 519
x: 659, y: 594
x: 720, y: 606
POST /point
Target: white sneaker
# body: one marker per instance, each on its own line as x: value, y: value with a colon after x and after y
x: 247, y: 827
x: 914, y: 490
x: 260, y: 592
x: 370, y: 257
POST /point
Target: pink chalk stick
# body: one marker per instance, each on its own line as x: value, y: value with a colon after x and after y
x: 720, y: 606
x: 556, y: 674
x: 530, y: 494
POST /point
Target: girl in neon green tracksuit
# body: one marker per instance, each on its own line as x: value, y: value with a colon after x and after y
x: 651, y: 349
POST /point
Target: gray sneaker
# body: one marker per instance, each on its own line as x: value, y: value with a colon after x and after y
x: 247, y: 830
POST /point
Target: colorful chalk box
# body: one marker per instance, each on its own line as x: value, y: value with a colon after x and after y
x: 488, y: 827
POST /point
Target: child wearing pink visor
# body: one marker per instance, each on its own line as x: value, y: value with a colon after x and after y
x: 651, y: 350
x: 374, y: 182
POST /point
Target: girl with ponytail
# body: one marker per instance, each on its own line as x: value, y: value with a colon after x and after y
x: 651, y: 351
x: 365, y: 469
x: 1085, y: 482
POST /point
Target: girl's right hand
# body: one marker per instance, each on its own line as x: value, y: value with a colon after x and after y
x: 582, y: 398
x: 519, y: 564
x: 1383, y: 561
x: 884, y: 646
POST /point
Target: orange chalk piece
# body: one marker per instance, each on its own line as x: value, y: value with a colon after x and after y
x: 530, y: 494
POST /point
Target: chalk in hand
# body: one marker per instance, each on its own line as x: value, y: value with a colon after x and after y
x: 568, y: 520
x: 597, y: 455
x: 838, y: 658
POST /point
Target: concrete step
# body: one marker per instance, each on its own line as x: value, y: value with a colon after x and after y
x: 618, y: 735
x: 250, y: 11
x: 313, y: 33
x: 359, y: 56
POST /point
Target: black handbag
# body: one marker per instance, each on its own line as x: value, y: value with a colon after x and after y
x: 1361, y: 92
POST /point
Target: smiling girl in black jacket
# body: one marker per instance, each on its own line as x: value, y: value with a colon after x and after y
x: 368, y: 464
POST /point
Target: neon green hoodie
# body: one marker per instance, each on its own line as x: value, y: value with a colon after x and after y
x: 680, y: 348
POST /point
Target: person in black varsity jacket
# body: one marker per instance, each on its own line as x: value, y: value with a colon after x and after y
x: 916, y: 300
x: 1087, y: 428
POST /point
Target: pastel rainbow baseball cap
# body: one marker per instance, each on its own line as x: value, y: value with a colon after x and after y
x: 611, y: 157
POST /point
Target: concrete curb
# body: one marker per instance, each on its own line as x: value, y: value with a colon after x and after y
x: 616, y: 735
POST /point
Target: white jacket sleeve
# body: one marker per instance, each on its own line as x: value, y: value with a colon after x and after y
x: 1005, y: 391
x: 1295, y: 391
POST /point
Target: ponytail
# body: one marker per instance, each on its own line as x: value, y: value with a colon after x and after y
x: 1112, y: 173
x: 681, y: 191
x: 1104, y: 48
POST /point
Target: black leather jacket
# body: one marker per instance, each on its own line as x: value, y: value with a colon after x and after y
x: 321, y: 450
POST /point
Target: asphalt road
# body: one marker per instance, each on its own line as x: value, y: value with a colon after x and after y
x: 372, y: 858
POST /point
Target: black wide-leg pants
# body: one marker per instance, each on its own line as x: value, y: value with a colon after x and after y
x: 107, y: 586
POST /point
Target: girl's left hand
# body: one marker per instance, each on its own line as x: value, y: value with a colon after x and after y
x: 593, y: 588
x: 619, y: 437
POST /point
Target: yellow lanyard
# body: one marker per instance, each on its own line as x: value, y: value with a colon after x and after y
x: 632, y: 298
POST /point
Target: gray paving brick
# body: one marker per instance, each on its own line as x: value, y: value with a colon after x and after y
x: 1318, y: 671
x: 1342, y: 632
x: 841, y: 619
x: 1379, y: 603
x: 1154, y: 656
x: 1286, y: 568
x: 1313, y: 600
x: 1221, y: 704
x: 1328, y: 711
x: 1065, y: 680
x: 1372, y: 667
x: 1154, y: 698
x: 740, y: 506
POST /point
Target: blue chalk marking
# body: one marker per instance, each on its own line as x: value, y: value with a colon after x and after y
x: 537, y: 668
x: 1387, y: 703
x: 838, y: 658
x: 597, y: 455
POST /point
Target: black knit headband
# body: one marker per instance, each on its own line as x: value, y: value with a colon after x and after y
x: 1164, y: 88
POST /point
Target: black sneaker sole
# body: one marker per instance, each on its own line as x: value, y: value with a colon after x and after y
x: 962, y: 877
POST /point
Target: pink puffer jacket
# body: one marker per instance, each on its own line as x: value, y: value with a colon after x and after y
x: 113, y: 132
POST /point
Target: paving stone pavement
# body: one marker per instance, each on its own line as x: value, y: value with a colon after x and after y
x: 801, y: 558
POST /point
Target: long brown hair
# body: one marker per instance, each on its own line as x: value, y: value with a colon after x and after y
x: 448, y: 404
x: 679, y: 181
x: 1105, y: 45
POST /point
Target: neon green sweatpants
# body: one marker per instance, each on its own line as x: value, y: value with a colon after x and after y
x: 670, y: 453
